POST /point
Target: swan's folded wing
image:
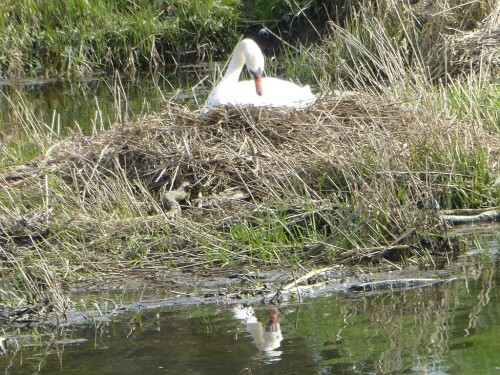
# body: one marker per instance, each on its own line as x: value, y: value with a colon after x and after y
x: 276, y: 93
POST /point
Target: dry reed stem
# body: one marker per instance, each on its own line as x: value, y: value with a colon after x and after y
x: 235, y: 160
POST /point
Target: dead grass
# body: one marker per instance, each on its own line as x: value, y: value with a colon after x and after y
x: 359, y: 176
x: 369, y: 170
x: 396, y: 47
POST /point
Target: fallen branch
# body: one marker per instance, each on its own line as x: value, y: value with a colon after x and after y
x: 471, y: 216
x: 307, y: 276
x: 385, y: 284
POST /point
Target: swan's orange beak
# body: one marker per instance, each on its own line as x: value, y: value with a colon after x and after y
x: 273, y: 314
x: 258, y: 83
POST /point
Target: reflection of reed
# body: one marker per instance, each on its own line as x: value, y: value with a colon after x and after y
x: 413, y: 329
x: 432, y: 324
x: 347, y: 311
x: 412, y: 325
x: 483, y: 298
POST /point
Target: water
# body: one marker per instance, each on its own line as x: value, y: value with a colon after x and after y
x: 446, y: 328
x: 93, y: 104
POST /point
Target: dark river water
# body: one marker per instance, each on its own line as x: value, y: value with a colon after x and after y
x: 446, y: 328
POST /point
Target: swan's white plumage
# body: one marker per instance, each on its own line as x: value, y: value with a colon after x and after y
x: 274, y: 92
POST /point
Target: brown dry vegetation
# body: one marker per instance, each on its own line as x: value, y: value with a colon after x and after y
x: 358, y: 176
x: 364, y: 171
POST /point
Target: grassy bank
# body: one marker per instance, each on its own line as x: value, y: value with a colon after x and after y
x: 80, y: 38
x: 359, y: 177
x: 50, y: 38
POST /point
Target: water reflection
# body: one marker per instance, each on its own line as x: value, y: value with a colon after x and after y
x: 266, y: 338
x: 90, y: 104
x: 445, y: 328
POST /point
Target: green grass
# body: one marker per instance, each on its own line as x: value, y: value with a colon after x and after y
x: 477, y: 102
x: 275, y: 10
x: 76, y: 37
x: 18, y: 152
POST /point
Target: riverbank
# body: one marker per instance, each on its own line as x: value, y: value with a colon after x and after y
x: 343, y: 181
x: 363, y: 176
x: 81, y: 39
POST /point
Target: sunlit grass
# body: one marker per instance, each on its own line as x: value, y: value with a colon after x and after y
x: 78, y: 37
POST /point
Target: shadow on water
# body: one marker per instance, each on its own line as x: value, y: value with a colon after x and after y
x: 444, y: 328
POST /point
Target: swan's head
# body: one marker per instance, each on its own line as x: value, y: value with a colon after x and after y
x: 257, y: 77
x: 254, y: 61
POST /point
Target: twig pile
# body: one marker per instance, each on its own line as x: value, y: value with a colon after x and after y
x: 219, y: 166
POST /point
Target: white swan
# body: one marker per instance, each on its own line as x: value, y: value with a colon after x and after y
x: 261, y: 92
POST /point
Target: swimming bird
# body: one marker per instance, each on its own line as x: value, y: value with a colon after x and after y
x: 261, y: 91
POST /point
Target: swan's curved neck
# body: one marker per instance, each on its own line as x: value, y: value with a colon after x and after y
x: 235, y: 65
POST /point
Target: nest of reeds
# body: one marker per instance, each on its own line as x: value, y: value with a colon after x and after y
x: 261, y: 152
x: 219, y: 166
